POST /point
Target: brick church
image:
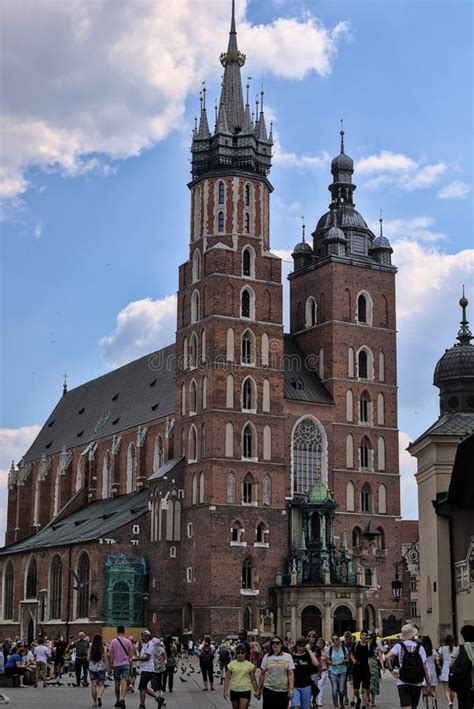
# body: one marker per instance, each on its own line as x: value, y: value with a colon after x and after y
x: 241, y: 476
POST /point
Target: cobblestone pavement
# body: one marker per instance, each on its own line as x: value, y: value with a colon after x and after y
x: 186, y: 694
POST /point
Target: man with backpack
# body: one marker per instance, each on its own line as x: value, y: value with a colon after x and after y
x: 206, y: 662
x: 413, y: 671
x: 360, y: 657
x: 461, y: 669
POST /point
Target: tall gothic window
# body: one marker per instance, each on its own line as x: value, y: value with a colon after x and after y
x: 307, y: 455
x: 362, y: 365
x: 193, y: 351
x: 249, y: 442
x: 107, y: 476
x: 249, y: 394
x: 55, y: 588
x: 247, y: 574
x: 364, y: 407
x: 247, y: 497
x: 220, y: 222
x: 231, y: 488
x: 32, y: 579
x: 8, y: 586
x: 245, y: 303
x: 364, y: 454
x: 131, y: 468
x: 247, y: 223
x: 246, y: 262
x: 248, y: 348
x: 221, y: 193
x: 267, y: 490
x: 158, y: 452
x: 365, y: 495
x: 247, y: 195
x: 83, y: 582
x: 362, y: 309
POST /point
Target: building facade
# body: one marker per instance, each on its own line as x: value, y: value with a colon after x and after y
x: 269, y: 461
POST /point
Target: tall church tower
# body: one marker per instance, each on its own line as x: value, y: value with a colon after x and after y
x: 229, y: 381
x: 342, y: 305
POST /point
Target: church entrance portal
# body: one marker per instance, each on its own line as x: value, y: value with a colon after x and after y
x: 343, y: 620
x: 30, y: 631
x: 311, y: 619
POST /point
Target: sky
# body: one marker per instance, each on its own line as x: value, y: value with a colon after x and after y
x: 97, y: 106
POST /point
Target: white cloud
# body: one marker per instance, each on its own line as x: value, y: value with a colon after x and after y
x: 454, y: 190
x: 408, y: 486
x: 416, y: 229
x: 142, y: 326
x: 398, y: 170
x: 423, y: 177
x: 14, y: 442
x: 38, y: 231
x: 300, y: 161
x: 385, y: 161
x: 115, y: 79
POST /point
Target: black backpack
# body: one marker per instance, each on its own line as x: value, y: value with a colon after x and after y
x: 411, y: 669
x: 460, y: 672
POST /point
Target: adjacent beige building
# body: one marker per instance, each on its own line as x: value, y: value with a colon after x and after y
x: 440, y: 607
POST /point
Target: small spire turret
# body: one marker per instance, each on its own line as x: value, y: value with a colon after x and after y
x: 65, y: 384
x: 464, y: 335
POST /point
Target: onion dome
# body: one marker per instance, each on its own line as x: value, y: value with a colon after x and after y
x: 381, y: 249
x: 319, y: 494
x: 454, y: 372
x: 342, y: 163
x: 302, y: 253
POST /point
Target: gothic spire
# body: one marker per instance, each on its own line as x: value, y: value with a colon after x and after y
x: 231, y: 94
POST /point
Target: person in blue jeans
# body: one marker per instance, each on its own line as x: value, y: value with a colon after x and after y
x: 305, y: 662
x: 337, y: 660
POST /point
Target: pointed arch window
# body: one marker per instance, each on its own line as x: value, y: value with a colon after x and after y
x: 221, y: 193
x: 249, y: 395
x: 196, y: 266
x: 267, y: 443
x: 231, y: 482
x: 229, y: 440
x: 247, y: 223
x: 193, y: 351
x: 107, y: 476
x: 307, y: 450
x: 366, y: 498
x: 229, y: 398
x: 267, y: 490
x: 195, y: 307
x: 249, y: 442
x: 247, y: 262
x: 247, y: 574
x: 248, y: 348
x: 204, y: 392
x: 349, y: 406
x: 361, y: 309
x: 192, y: 447
x: 32, y: 579
x: 83, y: 583
x: 350, y: 362
x: 230, y: 345
x: 131, y: 468
x: 265, y: 349
x: 55, y: 588
x: 247, y: 303
x: 247, y: 491
x: 192, y: 398
x: 362, y: 364
x: 194, y: 489
x: 380, y: 410
x: 183, y: 399
x: 158, y: 454
x: 364, y: 408
x: 382, y: 499
x: 261, y: 533
x: 310, y: 312
x: 381, y: 453
x: 365, y: 454
x: 266, y: 395
x: 350, y: 497
x: 349, y: 451
x: 8, y: 588
x: 203, y: 440
x: 247, y: 195
x: 201, y: 488
x: 220, y: 222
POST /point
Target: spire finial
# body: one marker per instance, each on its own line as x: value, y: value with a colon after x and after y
x: 256, y: 110
x: 204, y: 95
x: 303, y: 229
x: 247, y: 86
x: 261, y: 98
x: 65, y: 384
x: 342, y: 133
x: 464, y: 334
x: 232, y: 22
x: 381, y: 223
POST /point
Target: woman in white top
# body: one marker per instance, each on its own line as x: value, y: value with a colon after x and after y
x: 432, y: 659
x: 446, y: 651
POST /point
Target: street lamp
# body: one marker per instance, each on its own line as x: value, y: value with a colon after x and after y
x: 397, y: 585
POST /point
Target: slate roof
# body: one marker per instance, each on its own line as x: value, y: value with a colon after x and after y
x: 454, y: 424
x: 166, y: 468
x: 301, y: 382
x: 134, y: 394
x: 98, y: 519
x: 144, y: 391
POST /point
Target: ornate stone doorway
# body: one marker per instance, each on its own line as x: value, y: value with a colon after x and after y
x: 343, y: 620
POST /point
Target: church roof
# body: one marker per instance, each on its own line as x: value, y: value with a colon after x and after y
x: 302, y: 383
x: 98, y: 519
x: 166, y: 468
x: 450, y: 424
x: 132, y: 395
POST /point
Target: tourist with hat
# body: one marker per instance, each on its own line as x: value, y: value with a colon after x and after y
x: 413, y: 670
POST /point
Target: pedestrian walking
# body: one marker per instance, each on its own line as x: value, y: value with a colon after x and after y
x: 312, y: 640
x: 224, y: 659
x: 158, y: 680
x: 276, y: 676
x: 81, y: 646
x: 323, y: 671
x: 255, y: 651
x: 360, y: 659
x: 376, y: 665
x: 97, y: 662
x: 348, y: 643
x: 337, y: 659
x: 148, y: 674
x: 413, y: 670
x: 306, y: 662
x: 171, y: 652
x: 119, y: 656
x: 206, y: 663
x: 461, y: 674
x: 432, y: 659
x: 446, y: 653
x: 60, y: 647
x: 41, y: 655
x: 240, y: 679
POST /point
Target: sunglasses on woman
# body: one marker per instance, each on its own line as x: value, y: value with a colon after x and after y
x: 276, y: 642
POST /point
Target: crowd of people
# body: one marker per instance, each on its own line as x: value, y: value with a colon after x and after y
x: 282, y: 673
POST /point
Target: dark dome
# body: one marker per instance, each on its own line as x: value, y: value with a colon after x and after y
x: 302, y: 247
x: 346, y: 217
x: 381, y: 242
x: 342, y: 162
x: 335, y: 233
x: 456, y: 363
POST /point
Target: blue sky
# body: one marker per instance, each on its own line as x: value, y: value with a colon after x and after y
x: 95, y: 161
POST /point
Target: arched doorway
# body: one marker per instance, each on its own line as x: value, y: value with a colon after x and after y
x: 343, y: 620
x: 311, y: 619
x: 369, y: 618
x: 30, y: 631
